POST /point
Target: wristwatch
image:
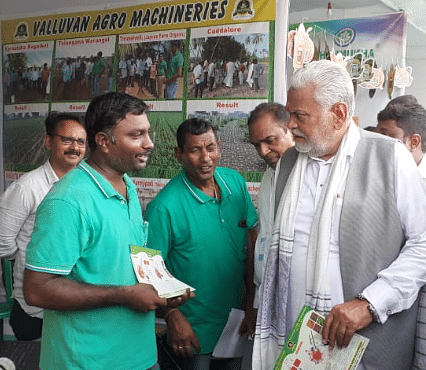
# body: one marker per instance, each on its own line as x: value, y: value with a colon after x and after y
x: 370, y: 307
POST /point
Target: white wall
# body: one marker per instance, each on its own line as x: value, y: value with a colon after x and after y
x: 367, y: 108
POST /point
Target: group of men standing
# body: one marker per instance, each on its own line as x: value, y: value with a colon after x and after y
x: 339, y: 230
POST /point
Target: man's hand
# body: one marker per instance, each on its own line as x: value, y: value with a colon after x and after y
x: 143, y: 297
x: 344, y: 320
x: 248, y: 325
x: 182, y: 337
x: 181, y: 300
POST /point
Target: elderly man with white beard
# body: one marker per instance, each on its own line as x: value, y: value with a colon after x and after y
x: 347, y: 238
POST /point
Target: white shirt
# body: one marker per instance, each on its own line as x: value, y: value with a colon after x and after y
x: 265, y: 201
x: 422, y: 167
x: 198, y: 74
x: 397, y: 286
x: 18, y: 205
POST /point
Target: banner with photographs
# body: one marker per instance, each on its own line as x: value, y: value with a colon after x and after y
x: 207, y: 58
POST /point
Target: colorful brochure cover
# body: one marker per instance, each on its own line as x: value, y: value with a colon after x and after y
x: 150, y: 269
x: 304, y: 349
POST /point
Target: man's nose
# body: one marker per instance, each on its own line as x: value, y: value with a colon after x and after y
x: 263, y: 150
x: 74, y: 145
x: 291, y: 123
x: 205, y: 155
x: 148, y: 144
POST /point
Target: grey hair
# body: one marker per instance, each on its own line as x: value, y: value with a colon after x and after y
x: 331, y: 81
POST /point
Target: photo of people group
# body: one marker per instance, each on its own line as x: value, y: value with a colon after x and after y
x: 228, y: 64
x: 151, y: 70
x: 26, y: 75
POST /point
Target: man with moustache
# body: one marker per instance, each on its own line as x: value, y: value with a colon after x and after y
x: 66, y: 141
x: 78, y: 266
x: 271, y: 138
x: 202, y: 221
x: 347, y: 240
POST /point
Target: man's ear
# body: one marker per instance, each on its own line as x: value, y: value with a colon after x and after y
x: 414, y: 141
x: 48, y: 142
x: 219, y: 150
x: 102, y: 141
x: 340, y: 113
x: 178, y: 154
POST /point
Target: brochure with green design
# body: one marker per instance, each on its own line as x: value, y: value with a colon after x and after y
x: 150, y: 269
x: 304, y: 349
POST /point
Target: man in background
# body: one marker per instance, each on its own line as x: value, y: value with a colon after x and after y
x: 174, y: 70
x: 203, y: 221
x: 78, y: 264
x: 405, y: 120
x: 406, y: 123
x: 66, y: 140
x: 98, y: 69
x: 271, y: 138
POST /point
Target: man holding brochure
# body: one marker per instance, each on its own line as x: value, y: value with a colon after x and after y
x: 348, y: 240
x: 201, y: 221
x: 78, y: 260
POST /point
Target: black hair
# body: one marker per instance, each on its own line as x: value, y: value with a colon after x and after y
x: 105, y: 111
x: 403, y: 99
x: 411, y: 118
x: 193, y: 126
x: 277, y: 110
x: 55, y: 118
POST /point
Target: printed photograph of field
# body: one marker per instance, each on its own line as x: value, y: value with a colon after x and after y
x: 23, y: 134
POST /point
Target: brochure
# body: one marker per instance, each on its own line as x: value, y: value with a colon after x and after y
x: 304, y: 349
x: 150, y: 268
x: 231, y: 343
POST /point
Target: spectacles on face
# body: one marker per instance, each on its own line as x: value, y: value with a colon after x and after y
x: 70, y: 140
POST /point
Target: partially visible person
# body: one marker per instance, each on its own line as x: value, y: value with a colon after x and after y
x: 98, y: 69
x: 198, y: 79
x: 257, y: 72
x: 66, y: 140
x: 241, y: 70
x: 405, y: 120
x: 78, y: 266
x: 230, y: 69
x: 45, y: 74
x: 161, y: 75
x: 271, y: 138
x: 66, y: 79
x: 403, y: 99
x: 174, y: 70
x: 406, y: 123
x: 211, y: 73
x: 348, y: 240
x: 370, y: 128
x: 203, y: 221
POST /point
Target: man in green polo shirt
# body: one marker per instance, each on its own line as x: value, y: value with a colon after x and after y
x: 78, y: 263
x: 203, y: 222
x: 174, y: 70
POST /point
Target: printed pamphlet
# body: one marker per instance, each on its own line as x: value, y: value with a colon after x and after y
x: 150, y: 268
x: 304, y: 349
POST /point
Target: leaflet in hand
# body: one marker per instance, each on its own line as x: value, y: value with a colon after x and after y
x: 150, y: 269
x: 304, y: 349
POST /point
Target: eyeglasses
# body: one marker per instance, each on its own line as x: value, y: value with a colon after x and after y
x: 70, y: 140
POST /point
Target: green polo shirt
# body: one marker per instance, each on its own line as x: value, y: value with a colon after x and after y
x: 98, y: 67
x: 161, y: 69
x: 176, y: 62
x: 203, y: 243
x: 83, y: 230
